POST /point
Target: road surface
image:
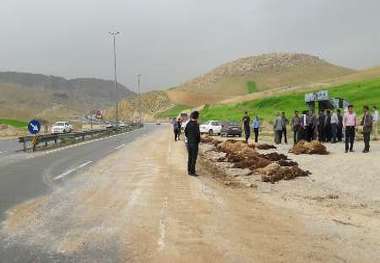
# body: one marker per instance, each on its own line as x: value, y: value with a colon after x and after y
x: 137, y: 204
x: 27, y: 175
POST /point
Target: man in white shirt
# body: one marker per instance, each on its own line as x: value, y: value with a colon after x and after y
x: 334, y: 126
x: 375, y: 118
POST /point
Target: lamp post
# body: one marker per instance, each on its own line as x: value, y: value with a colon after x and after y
x: 139, y: 95
x: 114, y: 34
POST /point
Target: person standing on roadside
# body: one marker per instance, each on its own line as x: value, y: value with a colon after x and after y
x: 193, y: 138
x: 278, y: 128
x: 334, y: 126
x: 256, y: 128
x: 349, y: 124
x: 328, y: 126
x: 375, y: 118
x: 246, y: 125
x: 175, y: 128
x: 285, y: 123
x: 367, y: 121
x: 179, y: 122
x: 295, y: 125
x: 321, y: 126
x: 339, y: 133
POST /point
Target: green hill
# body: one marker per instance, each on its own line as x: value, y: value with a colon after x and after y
x: 359, y: 93
x: 255, y: 74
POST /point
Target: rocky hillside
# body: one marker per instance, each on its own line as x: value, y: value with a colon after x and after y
x: 151, y: 103
x: 25, y: 95
x: 257, y: 73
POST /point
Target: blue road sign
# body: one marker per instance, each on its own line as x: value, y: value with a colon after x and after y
x: 34, y: 126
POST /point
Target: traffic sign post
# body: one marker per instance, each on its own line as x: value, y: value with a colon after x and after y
x: 34, y: 128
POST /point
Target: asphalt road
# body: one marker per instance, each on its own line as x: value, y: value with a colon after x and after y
x: 26, y: 175
x: 9, y: 146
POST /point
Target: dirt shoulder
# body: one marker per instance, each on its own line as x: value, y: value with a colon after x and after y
x: 338, y: 202
x: 138, y: 205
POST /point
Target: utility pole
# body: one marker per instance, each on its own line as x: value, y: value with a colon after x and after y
x: 114, y: 34
x: 139, y: 96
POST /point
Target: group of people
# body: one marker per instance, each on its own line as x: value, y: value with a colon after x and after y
x: 328, y: 126
x: 332, y: 126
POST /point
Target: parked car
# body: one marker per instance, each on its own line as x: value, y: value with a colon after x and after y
x: 61, y: 127
x: 211, y: 127
x: 122, y: 124
x: 231, y: 129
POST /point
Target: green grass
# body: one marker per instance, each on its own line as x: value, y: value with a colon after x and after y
x: 173, y: 111
x: 251, y: 86
x: 358, y: 93
x: 14, y: 123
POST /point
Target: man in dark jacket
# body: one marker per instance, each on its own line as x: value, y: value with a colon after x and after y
x: 367, y: 122
x: 247, y: 129
x: 193, y: 138
x: 321, y: 126
x: 339, y: 134
x: 295, y: 124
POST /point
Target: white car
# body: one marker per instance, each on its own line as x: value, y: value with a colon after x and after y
x: 61, y: 127
x: 211, y: 127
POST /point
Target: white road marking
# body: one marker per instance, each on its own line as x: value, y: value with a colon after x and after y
x: 72, y: 170
x: 119, y: 147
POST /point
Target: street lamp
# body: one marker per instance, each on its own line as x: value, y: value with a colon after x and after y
x: 114, y: 34
x: 139, y: 95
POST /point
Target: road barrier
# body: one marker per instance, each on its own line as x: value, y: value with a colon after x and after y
x: 53, y: 140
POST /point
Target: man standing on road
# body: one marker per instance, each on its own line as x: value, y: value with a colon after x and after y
x: 349, y: 123
x: 321, y: 126
x: 340, y: 126
x: 334, y: 126
x: 367, y: 128
x: 285, y: 123
x: 247, y: 129
x: 175, y: 128
x: 375, y: 118
x: 193, y: 138
x: 295, y: 125
x: 256, y: 128
x: 278, y: 128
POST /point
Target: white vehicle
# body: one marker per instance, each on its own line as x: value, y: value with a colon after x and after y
x: 122, y: 124
x: 61, y: 127
x: 211, y: 127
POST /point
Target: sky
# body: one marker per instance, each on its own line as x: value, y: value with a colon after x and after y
x: 171, y: 41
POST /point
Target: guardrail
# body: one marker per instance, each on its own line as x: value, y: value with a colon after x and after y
x: 44, y: 141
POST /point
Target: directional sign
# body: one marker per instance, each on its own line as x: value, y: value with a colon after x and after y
x: 34, y: 126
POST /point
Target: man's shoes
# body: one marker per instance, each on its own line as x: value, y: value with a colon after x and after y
x: 351, y: 151
x: 193, y: 174
x: 346, y: 151
x: 365, y: 151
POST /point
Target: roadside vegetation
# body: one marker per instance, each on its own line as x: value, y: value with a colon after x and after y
x: 14, y: 123
x: 358, y: 93
x: 251, y: 86
x: 173, y: 111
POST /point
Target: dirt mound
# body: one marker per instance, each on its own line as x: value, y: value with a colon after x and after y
x: 265, y: 146
x: 209, y: 140
x: 275, y: 156
x: 272, y: 166
x: 275, y: 172
x: 304, y: 147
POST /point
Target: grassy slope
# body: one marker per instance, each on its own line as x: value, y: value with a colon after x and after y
x: 232, y: 86
x: 14, y: 123
x: 172, y: 112
x: 358, y: 93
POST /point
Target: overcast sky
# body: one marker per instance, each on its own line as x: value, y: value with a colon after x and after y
x: 170, y: 41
